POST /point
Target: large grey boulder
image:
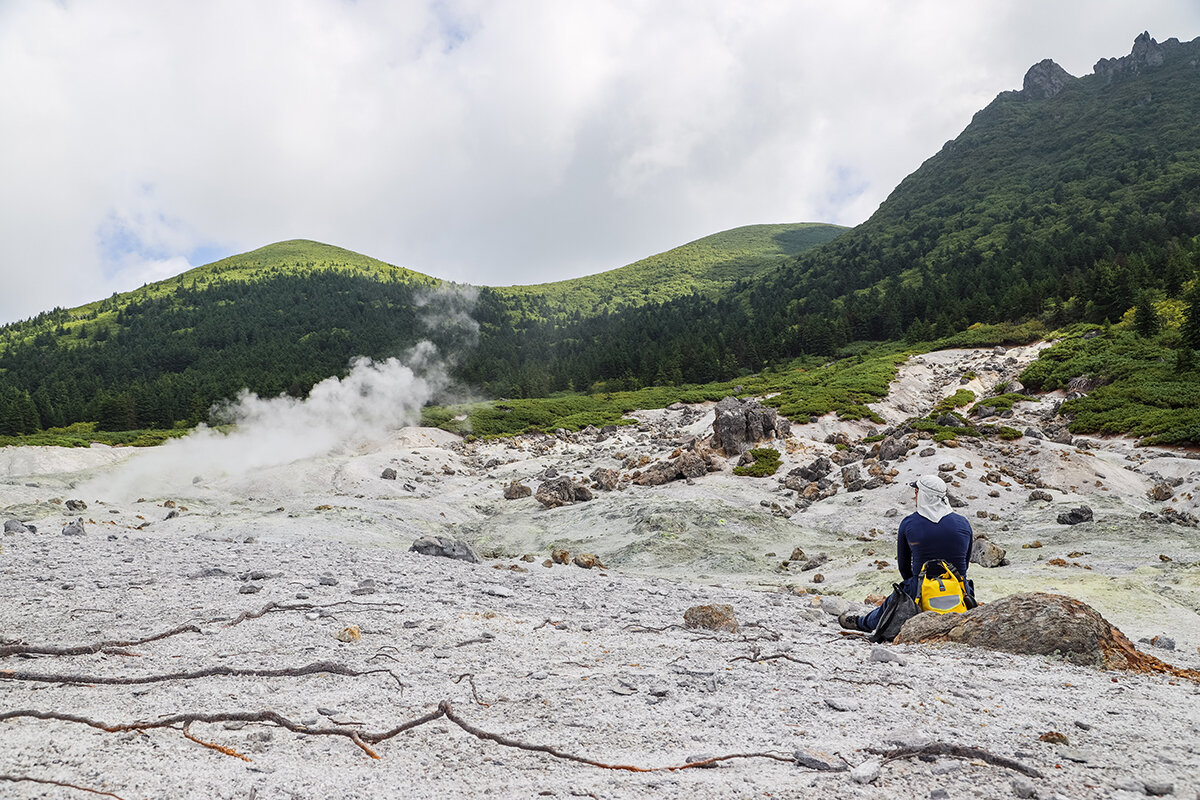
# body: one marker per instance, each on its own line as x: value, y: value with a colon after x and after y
x: 1034, y: 623
x: 445, y: 547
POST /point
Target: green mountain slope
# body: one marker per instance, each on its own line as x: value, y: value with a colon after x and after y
x: 704, y: 266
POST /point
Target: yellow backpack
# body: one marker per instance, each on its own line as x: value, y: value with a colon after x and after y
x: 942, y: 589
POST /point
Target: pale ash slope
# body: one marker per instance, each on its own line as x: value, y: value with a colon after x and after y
x: 607, y: 677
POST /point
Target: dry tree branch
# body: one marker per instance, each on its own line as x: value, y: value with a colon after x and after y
x: 89, y: 649
x: 755, y: 657
x: 364, y: 739
x: 955, y: 751
x: 274, y: 606
x: 47, y: 781
x: 500, y: 739
x: 229, y: 751
x: 222, y: 671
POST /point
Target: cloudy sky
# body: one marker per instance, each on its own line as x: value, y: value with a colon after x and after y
x: 483, y: 141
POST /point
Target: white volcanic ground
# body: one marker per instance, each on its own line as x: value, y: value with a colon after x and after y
x: 592, y: 662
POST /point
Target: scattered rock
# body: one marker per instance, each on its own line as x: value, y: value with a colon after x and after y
x: 866, y: 772
x: 516, y: 490
x: 561, y: 491
x: 249, y: 588
x: 844, y: 704
x: 814, y: 562
x: 388, y: 474
x: 351, y: 633
x: 605, y: 479
x: 1023, y: 787
x: 15, y: 526
x: 986, y: 553
x: 74, y: 528
x: 560, y: 556
x: 1161, y: 492
x: 445, y: 547
x: 1040, y: 495
x: 883, y: 655
x: 713, y: 617
x: 76, y: 505
x: 1053, y: 737
x: 588, y: 561
x: 1075, y: 516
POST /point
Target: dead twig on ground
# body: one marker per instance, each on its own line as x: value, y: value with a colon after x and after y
x: 870, y: 683
x: 470, y: 676
x: 89, y: 649
x: 635, y: 628
x: 955, y: 751
x: 286, y: 672
x: 755, y: 657
x: 48, y: 782
x: 275, y: 606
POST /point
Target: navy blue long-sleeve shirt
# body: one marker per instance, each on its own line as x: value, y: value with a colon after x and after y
x: 920, y: 540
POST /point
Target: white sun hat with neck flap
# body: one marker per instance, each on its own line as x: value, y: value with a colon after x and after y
x: 932, y: 500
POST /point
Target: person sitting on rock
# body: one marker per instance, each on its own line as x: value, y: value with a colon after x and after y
x: 932, y: 532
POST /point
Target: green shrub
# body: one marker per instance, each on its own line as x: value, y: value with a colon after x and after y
x: 766, y: 462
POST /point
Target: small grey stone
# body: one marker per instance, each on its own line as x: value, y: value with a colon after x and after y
x: 327, y: 580
x: 498, y: 591
x: 815, y: 762
x: 1075, y: 754
x: 1129, y: 785
x: 14, y: 526
x: 698, y: 757
x: 234, y: 725
x: 891, y: 512
x: 327, y: 712
x: 1023, y: 787
x: 249, y: 588
x: 843, y: 703
x: 1159, y: 787
x: 866, y: 772
x: 946, y: 767
x: 73, y: 528
x: 388, y: 474
x: 939, y: 794
x: 882, y: 655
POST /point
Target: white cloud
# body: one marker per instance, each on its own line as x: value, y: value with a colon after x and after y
x: 490, y: 142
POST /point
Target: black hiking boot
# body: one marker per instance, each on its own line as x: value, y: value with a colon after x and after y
x: 848, y: 621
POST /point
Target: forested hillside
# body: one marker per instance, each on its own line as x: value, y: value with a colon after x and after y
x: 1068, y: 207
x: 280, y: 318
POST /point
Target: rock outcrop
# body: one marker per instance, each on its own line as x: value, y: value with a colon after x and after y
x: 739, y: 424
x: 1044, y: 80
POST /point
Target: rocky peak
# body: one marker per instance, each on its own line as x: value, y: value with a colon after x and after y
x: 1146, y: 54
x: 1045, y: 79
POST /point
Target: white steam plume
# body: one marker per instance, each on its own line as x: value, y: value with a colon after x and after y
x: 339, y: 413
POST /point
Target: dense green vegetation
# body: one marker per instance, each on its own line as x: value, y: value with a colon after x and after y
x: 1081, y: 209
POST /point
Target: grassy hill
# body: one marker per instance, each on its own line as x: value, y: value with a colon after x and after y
x: 705, y: 266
